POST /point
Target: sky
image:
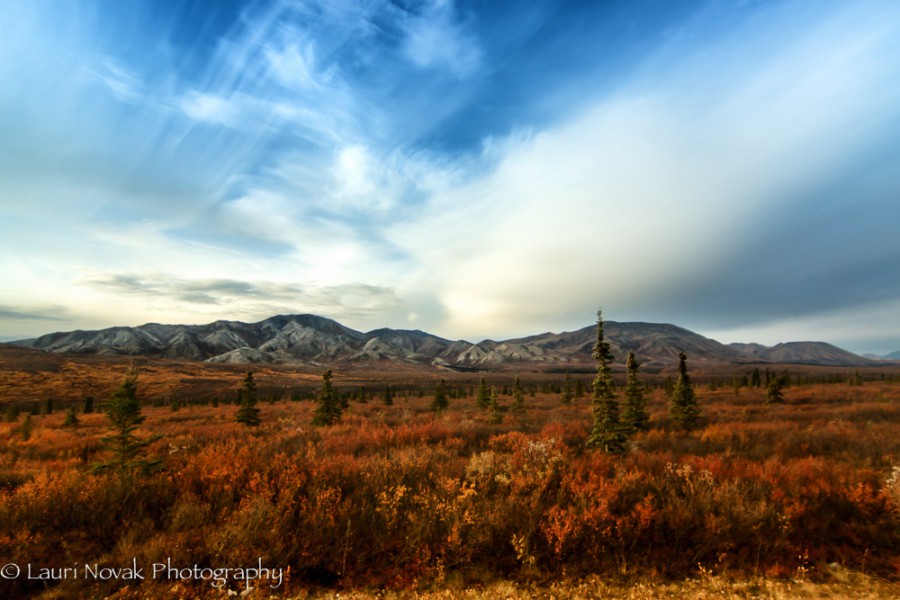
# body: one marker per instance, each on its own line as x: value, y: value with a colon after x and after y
x: 472, y: 169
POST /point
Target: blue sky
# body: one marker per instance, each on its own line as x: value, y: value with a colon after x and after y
x: 474, y: 169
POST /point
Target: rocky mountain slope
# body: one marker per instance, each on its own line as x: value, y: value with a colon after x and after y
x: 810, y: 353
x: 310, y: 339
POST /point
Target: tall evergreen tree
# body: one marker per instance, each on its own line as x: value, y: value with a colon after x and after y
x: 247, y: 412
x: 494, y: 407
x: 567, y: 394
x: 124, y: 414
x: 329, y: 410
x: 26, y: 428
x: 579, y: 388
x: 440, y: 402
x: 483, y: 399
x: 683, y: 406
x: 518, y: 403
x: 71, y: 418
x: 755, y: 378
x: 606, y: 433
x: 388, y: 397
x: 11, y: 415
x: 635, y: 417
x: 774, y: 394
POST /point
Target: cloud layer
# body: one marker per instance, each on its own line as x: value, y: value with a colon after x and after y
x: 478, y: 172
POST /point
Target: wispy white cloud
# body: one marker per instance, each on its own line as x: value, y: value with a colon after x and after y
x: 46, y: 313
x: 438, y: 38
x: 122, y: 84
x: 208, y: 107
x: 643, y: 193
x: 365, y: 305
x: 342, y: 143
x: 294, y: 65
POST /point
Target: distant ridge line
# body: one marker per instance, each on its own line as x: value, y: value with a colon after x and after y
x: 307, y: 339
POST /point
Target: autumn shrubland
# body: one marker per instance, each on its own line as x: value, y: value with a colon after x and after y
x: 406, y: 499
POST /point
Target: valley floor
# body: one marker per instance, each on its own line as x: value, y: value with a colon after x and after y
x: 792, y: 500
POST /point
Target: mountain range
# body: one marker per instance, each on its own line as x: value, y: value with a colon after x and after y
x: 314, y: 340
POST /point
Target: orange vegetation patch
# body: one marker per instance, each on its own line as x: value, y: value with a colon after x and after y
x: 398, y: 498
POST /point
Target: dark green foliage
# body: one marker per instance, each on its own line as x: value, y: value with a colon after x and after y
x: 518, y: 394
x: 71, y: 418
x: 755, y: 380
x: 329, y: 410
x: 669, y: 387
x: 388, y: 397
x: 774, y: 394
x: 247, y: 412
x: 440, y: 402
x: 88, y: 405
x: 124, y: 414
x: 26, y: 428
x: 606, y: 433
x: 48, y: 407
x: 635, y: 417
x: 567, y: 394
x: 683, y: 408
x: 493, y: 408
x: 483, y: 399
x: 579, y: 388
x: 11, y: 414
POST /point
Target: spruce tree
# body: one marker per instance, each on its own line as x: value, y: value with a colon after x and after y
x: 124, y: 414
x: 567, y: 394
x: 683, y: 406
x: 483, y: 399
x: 755, y: 378
x: 774, y: 394
x: 26, y: 428
x: 606, y: 433
x: 71, y: 418
x: 518, y: 403
x: 329, y: 410
x: 493, y: 408
x: 11, y: 415
x: 634, y: 417
x: 247, y: 412
x: 440, y: 402
x: 388, y: 397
